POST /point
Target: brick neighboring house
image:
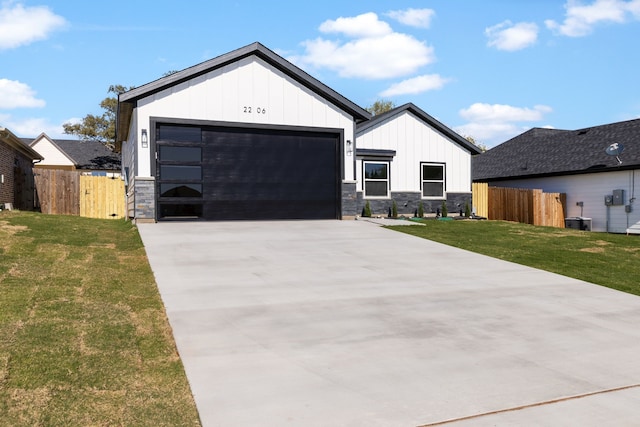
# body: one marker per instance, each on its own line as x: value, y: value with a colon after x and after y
x: 16, y: 171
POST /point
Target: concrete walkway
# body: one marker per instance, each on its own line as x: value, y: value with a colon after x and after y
x: 345, y: 323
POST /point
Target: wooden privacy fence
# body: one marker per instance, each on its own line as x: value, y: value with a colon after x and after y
x: 521, y: 205
x: 71, y: 193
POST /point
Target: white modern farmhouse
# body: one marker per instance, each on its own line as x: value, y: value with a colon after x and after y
x: 248, y: 135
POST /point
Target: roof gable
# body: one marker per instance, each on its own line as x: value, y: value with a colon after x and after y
x: 91, y: 155
x: 426, y: 118
x: 46, y: 145
x: 545, y: 152
x: 127, y: 100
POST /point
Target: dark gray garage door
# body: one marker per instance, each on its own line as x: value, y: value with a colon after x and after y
x: 226, y: 173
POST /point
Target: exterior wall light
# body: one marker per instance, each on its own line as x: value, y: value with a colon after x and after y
x: 144, y: 140
x: 349, y: 148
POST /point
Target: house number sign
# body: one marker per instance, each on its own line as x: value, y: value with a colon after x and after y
x: 258, y: 110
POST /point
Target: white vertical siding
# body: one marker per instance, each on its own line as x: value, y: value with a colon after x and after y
x: 414, y: 142
x: 246, y: 91
x: 591, y: 190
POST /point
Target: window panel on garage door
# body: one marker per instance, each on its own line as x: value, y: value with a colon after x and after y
x: 179, y: 171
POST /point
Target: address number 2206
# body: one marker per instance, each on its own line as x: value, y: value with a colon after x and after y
x: 258, y: 110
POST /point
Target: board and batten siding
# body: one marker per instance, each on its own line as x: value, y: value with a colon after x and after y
x: 246, y: 91
x: 415, y: 142
x: 591, y: 190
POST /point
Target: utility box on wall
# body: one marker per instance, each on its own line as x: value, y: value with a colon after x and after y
x: 618, y: 197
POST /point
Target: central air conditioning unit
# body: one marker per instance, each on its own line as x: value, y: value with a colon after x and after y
x: 578, y: 223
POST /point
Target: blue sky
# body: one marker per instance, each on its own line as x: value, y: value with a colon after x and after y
x: 489, y: 69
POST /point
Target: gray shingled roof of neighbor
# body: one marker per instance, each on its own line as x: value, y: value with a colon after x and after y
x: 550, y: 152
x: 91, y: 155
x: 435, y: 124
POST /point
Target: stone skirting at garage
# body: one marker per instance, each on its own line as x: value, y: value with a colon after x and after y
x: 145, y: 199
x: 407, y: 203
x: 349, y: 200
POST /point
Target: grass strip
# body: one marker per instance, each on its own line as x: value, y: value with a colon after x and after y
x: 611, y: 260
x: 84, y: 338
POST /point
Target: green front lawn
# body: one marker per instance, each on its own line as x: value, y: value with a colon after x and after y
x: 84, y: 339
x: 610, y: 260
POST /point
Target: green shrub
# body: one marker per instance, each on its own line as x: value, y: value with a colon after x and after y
x: 444, y: 209
x: 394, y: 210
x: 467, y: 210
x: 366, y: 211
x: 420, y: 210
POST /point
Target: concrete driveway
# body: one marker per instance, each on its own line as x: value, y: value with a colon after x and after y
x: 345, y: 323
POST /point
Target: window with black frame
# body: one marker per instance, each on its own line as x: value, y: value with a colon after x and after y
x: 376, y: 178
x: 432, y: 180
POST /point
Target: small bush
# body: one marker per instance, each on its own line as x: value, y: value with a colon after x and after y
x: 420, y: 210
x: 366, y: 211
x: 394, y: 210
x: 444, y: 209
x: 467, y: 210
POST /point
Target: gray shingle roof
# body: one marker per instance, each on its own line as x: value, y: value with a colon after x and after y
x: 548, y: 152
x: 91, y: 155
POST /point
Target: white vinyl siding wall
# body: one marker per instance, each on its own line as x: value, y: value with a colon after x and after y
x: 226, y: 94
x: 591, y: 189
x: 415, y: 142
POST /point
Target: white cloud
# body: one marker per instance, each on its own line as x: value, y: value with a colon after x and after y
x: 375, y: 51
x: 634, y: 8
x: 420, y: 18
x: 73, y: 120
x: 31, y: 127
x: 490, y: 134
x: 365, y: 25
x: 480, y: 112
x: 14, y: 94
x: 21, y: 25
x: 494, y: 123
x: 416, y: 85
x: 512, y: 37
x: 580, y: 19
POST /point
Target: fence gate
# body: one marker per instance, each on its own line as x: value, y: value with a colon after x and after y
x: 101, y: 197
x: 480, y: 197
